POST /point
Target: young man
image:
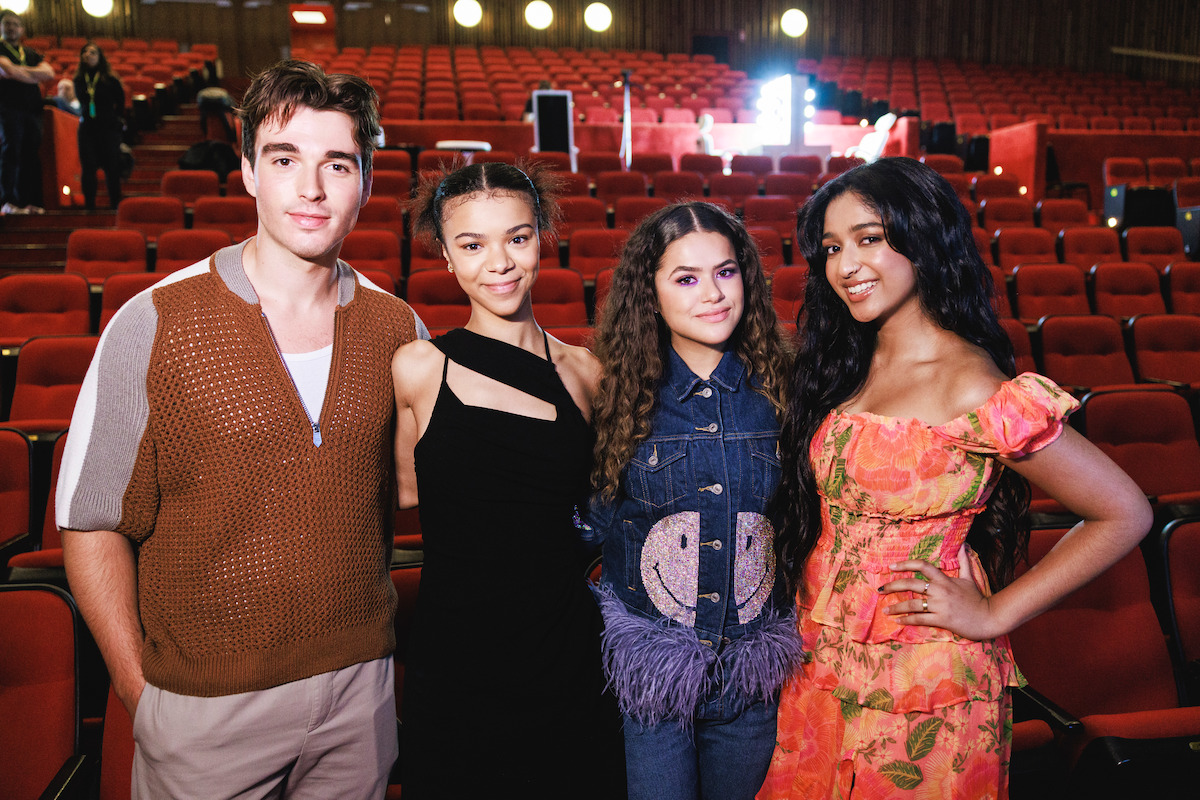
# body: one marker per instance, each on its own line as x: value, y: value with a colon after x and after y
x: 21, y: 70
x: 227, y: 491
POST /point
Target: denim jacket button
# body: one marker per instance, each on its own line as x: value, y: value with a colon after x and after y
x: 712, y: 428
x: 715, y: 597
x: 707, y: 392
x: 717, y: 488
x: 716, y: 545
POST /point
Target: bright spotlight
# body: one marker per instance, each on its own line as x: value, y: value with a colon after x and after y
x: 810, y: 111
x: 775, y: 111
x: 468, y: 13
x: 998, y: 170
x: 810, y: 95
x: 539, y: 15
x: 19, y: 6
x: 98, y: 8
x: 597, y: 17
x: 794, y: 22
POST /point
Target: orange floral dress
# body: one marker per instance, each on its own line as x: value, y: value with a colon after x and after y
x: 883, y: 709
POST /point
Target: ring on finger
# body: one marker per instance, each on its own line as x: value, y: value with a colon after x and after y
x: 925, y: 605
x: 926, y: 589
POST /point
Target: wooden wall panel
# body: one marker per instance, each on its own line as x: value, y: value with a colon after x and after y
x: 1076, y: 34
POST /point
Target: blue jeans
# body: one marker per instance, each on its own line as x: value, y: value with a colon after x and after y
x: 723, y: 756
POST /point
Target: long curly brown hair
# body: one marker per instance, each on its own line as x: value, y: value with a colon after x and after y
x: 632, y: 340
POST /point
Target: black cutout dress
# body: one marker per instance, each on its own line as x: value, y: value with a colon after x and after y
x: 503, y: 689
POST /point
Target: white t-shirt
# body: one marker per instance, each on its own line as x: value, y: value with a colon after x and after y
x: 310, y: 371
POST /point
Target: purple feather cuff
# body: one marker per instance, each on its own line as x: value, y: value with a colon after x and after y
x: 759, y: 663
x: 661, y: 671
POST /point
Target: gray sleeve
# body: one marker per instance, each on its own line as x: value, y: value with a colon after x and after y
x: 109, y: 422
x: 422, y: 331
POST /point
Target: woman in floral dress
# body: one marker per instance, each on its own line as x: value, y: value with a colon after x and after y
x: 906, y: 449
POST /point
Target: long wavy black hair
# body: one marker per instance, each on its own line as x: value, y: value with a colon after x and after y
x: 923, y: 221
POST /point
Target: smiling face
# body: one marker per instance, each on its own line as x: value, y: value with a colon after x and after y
x: 873, y: 280
x: 491, y: 241
x: 700, y: 295
x: 307, y: 179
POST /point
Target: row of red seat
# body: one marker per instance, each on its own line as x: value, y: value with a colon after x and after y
x: 1121, y: 289
x: 1080, y: 247
x: 999, y: 81
x: 1069, y: 344
x: 1138, y: 692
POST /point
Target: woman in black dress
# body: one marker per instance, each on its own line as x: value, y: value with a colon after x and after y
x: 503, y: 693
x: 101, y: 121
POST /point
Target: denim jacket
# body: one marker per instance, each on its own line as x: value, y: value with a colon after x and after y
x: 688, y: 589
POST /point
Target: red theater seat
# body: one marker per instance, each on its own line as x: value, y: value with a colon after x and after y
x: 50, y: 371
x: 96, y: 254
x: 35, y: 304
x: 237, y: 216
x: 1044, y: 289
x: 190, y: 184
x: 1125, y: 289
x: 1166, y: 348
x: 1127, y: 691
x: 1086, y: 247
x: 1157, y: 245
x: 374, y: 250
x: 183, y: 247
x: 119, y: 289
x: 150, y: 215
x: 437, y: 299
x: 1085, y: 353
x: 593, y: 250
x: 558, y: 299
x: 39, y: 630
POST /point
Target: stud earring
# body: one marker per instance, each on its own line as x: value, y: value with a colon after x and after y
x: 449, y: 268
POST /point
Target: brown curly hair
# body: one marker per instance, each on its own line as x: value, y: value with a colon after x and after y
x: 632, y: 340
x: 437, y: 187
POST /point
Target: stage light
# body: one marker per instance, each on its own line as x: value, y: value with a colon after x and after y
x: 539, y: 15
x: 775, y: 111
x: 308, y: 17
x: 468, y: 13
x: 794, y: 22
x: 19, y: 6
x: 597, y: 17
x: 98, y: 8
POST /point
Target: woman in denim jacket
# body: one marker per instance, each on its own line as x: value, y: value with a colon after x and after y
x: 698, y: 636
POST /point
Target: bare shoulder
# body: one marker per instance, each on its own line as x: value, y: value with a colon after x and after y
x: 578, y: 362
x: 975, y: 380
x: 415, y: 363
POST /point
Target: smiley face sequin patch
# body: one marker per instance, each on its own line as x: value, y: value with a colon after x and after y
x: 671, y: 564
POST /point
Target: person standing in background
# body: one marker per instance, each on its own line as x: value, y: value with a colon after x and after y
x: 101, y: 109
x: 21, y: 70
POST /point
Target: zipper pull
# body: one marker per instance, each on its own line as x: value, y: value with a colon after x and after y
x: 316, y: 426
